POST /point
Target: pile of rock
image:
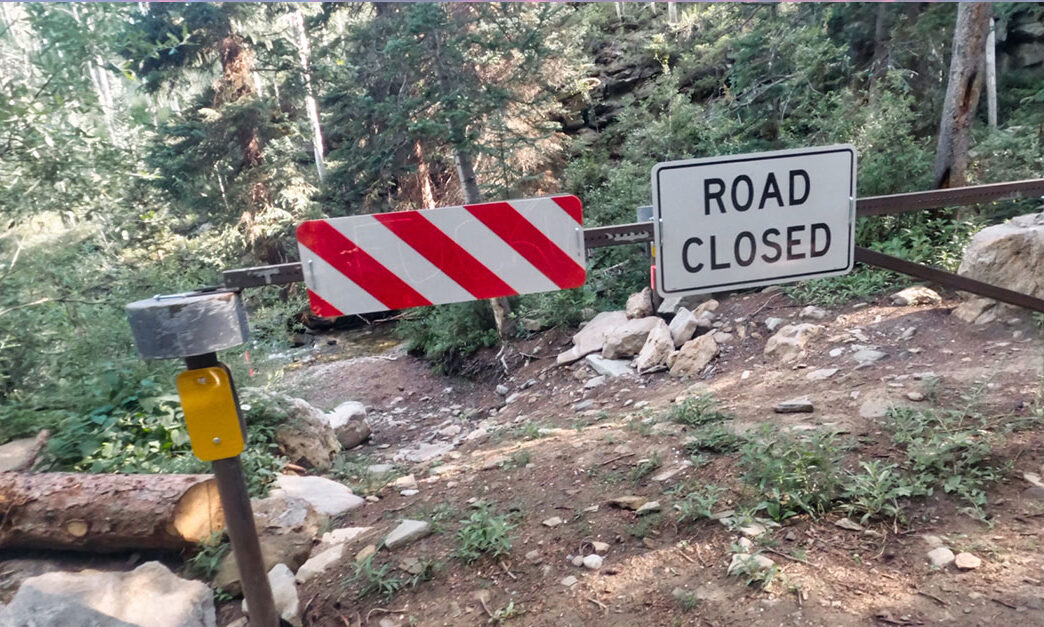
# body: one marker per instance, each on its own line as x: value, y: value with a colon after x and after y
x: 635, y: 340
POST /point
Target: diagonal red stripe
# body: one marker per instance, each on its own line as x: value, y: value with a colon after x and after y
x: 322, y: 308
x: 447, y: 255
x: 353, y: 262
x: 572, y: 206
x: 530, y: 242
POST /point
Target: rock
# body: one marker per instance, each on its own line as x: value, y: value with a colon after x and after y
x: 868, y: 356
x: 814, y: 313
x: 743, y: 563
x: 647, y: 508
x: 821, y: 374
x: 846, y: 523
x: 319, y: 563
x: 875, y: 406
x: 304, y: 432
x: 708, y: 306
x: 427, y: 452
x: 534, y: 557
x: 582, y: 405
x: 1008, y: 255
x: 915, y: 396
x: 91, y: 598
x: 795, y: 406
x: 790, y: 342
x: 670, y: 473
x: 352, y: 433
x: 967, y: 561
x: 406, y: 532
x: 578, y: 561
x: 975, y: 310
x: 673, y: 304
x: 657, y: 348
x: 365, y: 553
x: 284, y: 591
x: 592, y: 562
x: 908, y: 334
x: 346, y: 411
x: 554, y: 521
x: 639, y: 304
x: 594, y: 382
x: 693, y: 356
x: 591, y: 338
x: 326, y: 496
x: 18, y: 454
x: 773, y: 323
x: 683, y: 326
x: 628, y: 502
x: 286, y: 527
x: 344, y: 535
x: 569, y: 581
x: 600, y: 548
x: 407, y: 482
x: 611, y: 368
x: 916, y: 295
x: 502, y: 390
x: 745, y: 544
x: 941, y: 557
x: 450, y: 431
x: 627, y: 339
x: 722, y: 338
x: 753, y: 530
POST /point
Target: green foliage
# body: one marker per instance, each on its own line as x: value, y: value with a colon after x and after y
x: 484, y: 534
x: 715, y: 438
x: 375, y: 581
x: 448, y: 333
x: 644, y: 526
x: 698, y: 504
x: 697, y: 411
x: 876, y: 491
x: 518, y: 459
x: 793, y: 474
x: 354, y: 471
x: 646, y: 467
x: 204, y: 563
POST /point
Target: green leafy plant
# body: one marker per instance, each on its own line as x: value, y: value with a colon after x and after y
x: 204, y: 563
x: 646, y: 467
x: 876, y: 491
x: 714, y: 438
x: 696, y: 411
x: 483, y: 533
x: 375, y: 580
x: 698, y: 504
x: 518, y: 459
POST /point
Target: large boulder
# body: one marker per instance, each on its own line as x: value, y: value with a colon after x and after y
x: 348, y: 421
x: 693, y: 356
x: 302, y: 431
x: 328, y: 497
x: 790, y: 342
x: 148, y: 596
x: 1009, y: 255
x: 684, y: 325
x: 591, y: 338
x: 284, y: 593
x: 657, y: 348
x: 627, y: 339
x: 639, y: 304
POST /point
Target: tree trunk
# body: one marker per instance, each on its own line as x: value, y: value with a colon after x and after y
x: 105, y: 513
x: 672, y: 12
x: 991, y: 77
x: 427, y: 196
x: 962, y: 94
x: 310, y: 104
x: 506, y: 326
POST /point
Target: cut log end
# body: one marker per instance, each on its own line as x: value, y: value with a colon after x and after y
x: 198, y: 514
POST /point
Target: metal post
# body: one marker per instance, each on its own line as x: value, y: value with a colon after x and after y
x: 239, y: 521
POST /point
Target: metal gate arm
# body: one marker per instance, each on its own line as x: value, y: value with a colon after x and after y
x: 948, y: 279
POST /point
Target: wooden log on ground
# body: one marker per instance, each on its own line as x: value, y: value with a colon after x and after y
x: 106, y: 513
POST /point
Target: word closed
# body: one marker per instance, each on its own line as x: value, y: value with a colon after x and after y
x: 752, y: 220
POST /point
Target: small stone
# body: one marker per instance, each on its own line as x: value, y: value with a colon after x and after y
x: 821, y: 374
x: 814, y: 313
x: 554, y: 521
x: 628, y: 502
x: 915, y: 396
x: 745, y: 544
x: 569, y: 581
x: 647, y: 508
x: 592, y: 562
x: 319, y: 563
x: 406, y: 532
x: 409, y: 482
x: 836, y: 352
x: 284, y: 592
x: 582, y: 405
x: 848, y: 524
x: 365, y: 552
x: 409, y: 492
x: 753, y: 530
x: 742, y: 563
x: 916, y: 295
x: 795, y: 406
x: 967, y: 561
x: 534, y: 557
x: 595, y: 382
x: 868, y: 356
x: 941, y: 557
x: 600, y: 548
x: 502, y: 390
x: 577, y: 560
x: 773, y: 323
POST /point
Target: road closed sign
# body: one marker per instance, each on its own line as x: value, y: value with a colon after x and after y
x: 741, y: 221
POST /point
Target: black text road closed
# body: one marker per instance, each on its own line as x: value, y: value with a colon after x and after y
x: 726, y: 223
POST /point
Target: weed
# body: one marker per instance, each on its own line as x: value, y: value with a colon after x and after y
x: 518, y: 459
x: 698, y: 504
x: 688, y: 601
x: 714, y: 438
x: 795, y: 475
x: 697, y: 410
x: 531, y: 431
x: 212, y: 550
x: 354, y: 470
x: 645, y: 467
x: 645, y: 526
x: 612, y: 477
x: 755, y: 573
x: 506, y: 613
x: 438, y: 515
x: 374, y: 581
x: 484, y: 533
x: 640, y: 426
x: 876, y: 490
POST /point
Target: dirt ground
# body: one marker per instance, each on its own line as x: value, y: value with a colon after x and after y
x: 540, y: 458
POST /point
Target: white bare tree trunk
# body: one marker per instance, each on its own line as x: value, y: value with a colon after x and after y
x: 672, y: 12
x: 991, y: 76
x: 311, y: 106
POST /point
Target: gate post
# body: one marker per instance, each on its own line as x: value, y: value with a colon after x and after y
x: 193, y: 327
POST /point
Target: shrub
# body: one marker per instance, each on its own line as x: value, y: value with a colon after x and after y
x: 484, y: 533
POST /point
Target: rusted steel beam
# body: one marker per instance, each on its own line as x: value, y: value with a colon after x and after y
x: 948, y: 279
x: 618, y: 234
x: 954, y: 197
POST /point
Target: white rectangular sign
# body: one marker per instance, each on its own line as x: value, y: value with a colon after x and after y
x: 726, y: 223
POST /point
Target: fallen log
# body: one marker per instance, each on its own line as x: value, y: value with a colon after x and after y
x: 106, y: 513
